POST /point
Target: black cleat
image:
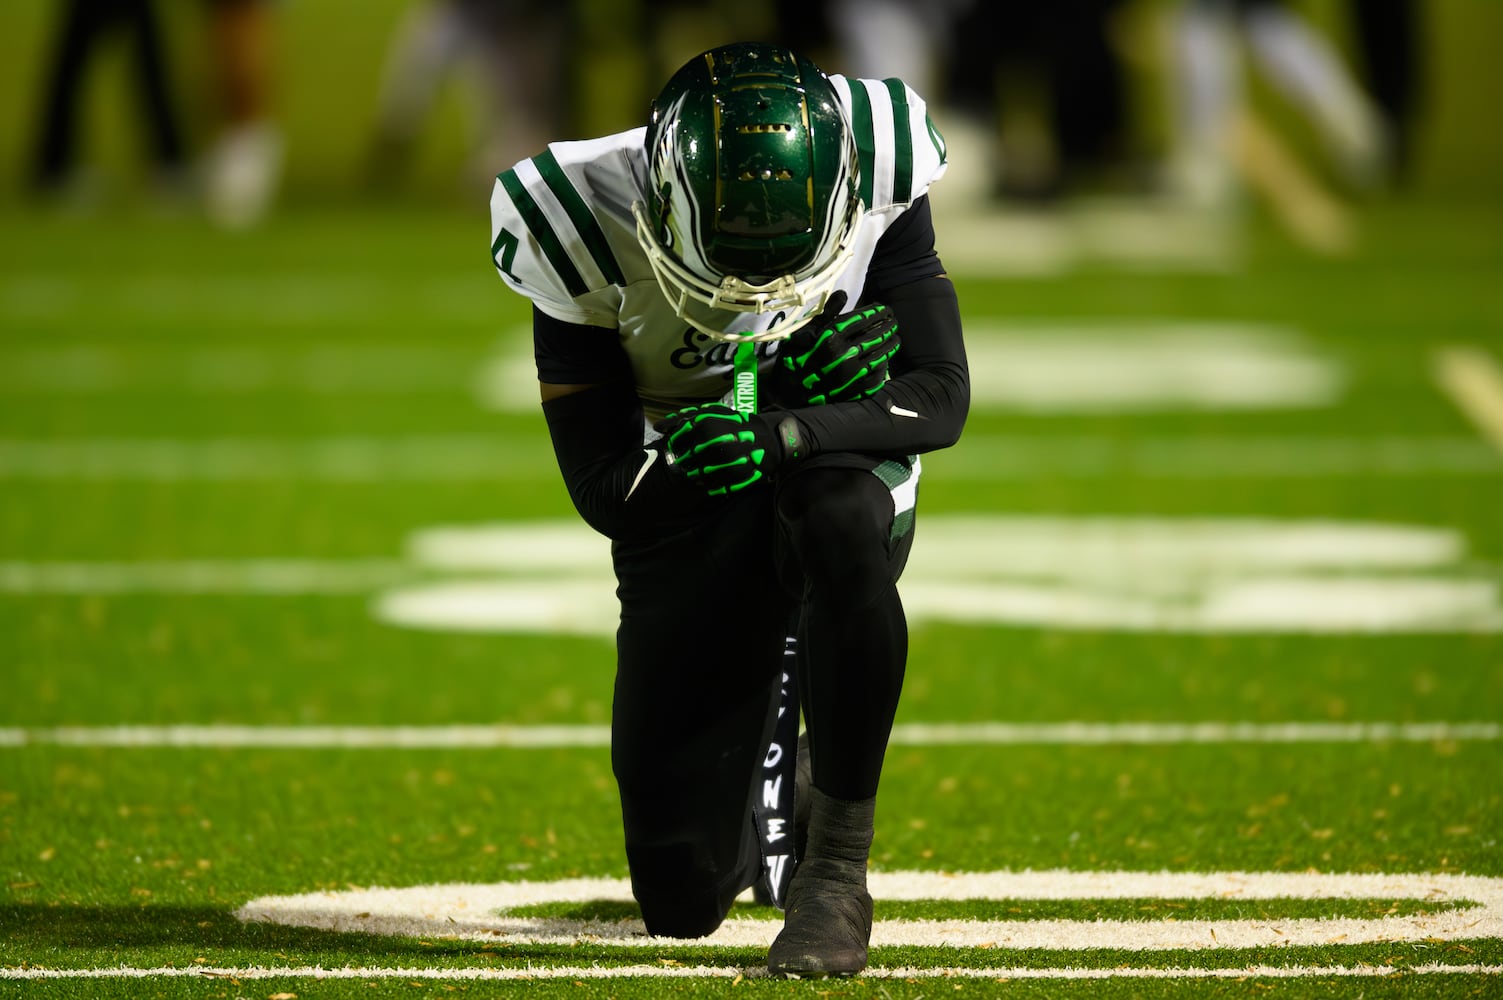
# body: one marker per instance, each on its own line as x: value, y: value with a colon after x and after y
x: 826, y: 930
x: 827, y: 923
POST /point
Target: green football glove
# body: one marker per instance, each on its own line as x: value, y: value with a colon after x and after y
x: 725, y: 451
x: 838, y: 360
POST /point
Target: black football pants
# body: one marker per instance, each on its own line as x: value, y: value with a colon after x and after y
x: 84, y: 27
x: 704, y: 615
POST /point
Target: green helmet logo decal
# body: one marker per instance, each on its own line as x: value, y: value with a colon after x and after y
x: 752, y: 196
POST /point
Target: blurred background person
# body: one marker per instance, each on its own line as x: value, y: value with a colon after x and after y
x: 1041, y: 85
x: 511, y: 54
x: 907, y: 39
x: 1219, y: 143
x: 1390, y: 37
x: 670, y: 31
x: 243, y: 166
x: 1050, y: 83
x: 84, y: 27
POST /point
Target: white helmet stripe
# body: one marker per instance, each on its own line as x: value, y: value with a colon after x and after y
x: 684, y: 207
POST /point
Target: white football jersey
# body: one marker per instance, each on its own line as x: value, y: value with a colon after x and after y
x: 562, y: 234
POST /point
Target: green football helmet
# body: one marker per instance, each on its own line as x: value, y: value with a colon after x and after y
x: 751, y: 203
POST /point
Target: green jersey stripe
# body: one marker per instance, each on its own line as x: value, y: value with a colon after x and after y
x: 894, y: 474
x: 902, y: 143
x: 866, y: 143
x: 538, y: 225
x: 935, y: 137
x: 579, y: 214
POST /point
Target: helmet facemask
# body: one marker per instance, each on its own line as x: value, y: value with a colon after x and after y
x: 752, y: 204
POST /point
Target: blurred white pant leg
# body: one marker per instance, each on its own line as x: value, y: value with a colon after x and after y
x: 1207, y: 95
x: 1305, y: 67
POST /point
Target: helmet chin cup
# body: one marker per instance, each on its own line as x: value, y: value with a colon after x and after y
x: 798, y: 299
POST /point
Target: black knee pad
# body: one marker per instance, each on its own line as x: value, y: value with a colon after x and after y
x: 679, y: 896
x: 679, y: 914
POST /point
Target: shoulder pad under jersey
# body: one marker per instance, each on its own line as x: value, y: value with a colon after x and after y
x: 556, y: 224
x: 900, y: 151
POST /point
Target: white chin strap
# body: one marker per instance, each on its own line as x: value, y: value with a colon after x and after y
x: 799, y: 302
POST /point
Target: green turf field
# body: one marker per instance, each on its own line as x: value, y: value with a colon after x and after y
x: 271, y: 504
x: 305, y: 660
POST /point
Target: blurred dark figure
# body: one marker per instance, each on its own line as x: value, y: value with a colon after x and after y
x: 243, y: 167
x: 808, y: 28
x: 1298, y: 62
x: 83, y: 28
x: 668, y: 32
x: 510, y: 53
x: 1390, y: 39
x: 1063, y: 51
x: 877, y: 39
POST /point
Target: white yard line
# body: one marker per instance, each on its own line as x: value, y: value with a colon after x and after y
x: 1084, y: 733
x: 986, y: 457
x: 1474, y: 381
x: 485, y: 457
x: 205, y: 576
x: 345, y: 458
x: 910, y: 734
x: 493, y: 974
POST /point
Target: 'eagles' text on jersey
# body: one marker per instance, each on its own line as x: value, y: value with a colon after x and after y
x: 562, y: 234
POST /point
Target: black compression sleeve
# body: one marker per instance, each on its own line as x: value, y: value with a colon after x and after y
x: 572, y: 353
x: 904, y: 254
x: 597, y: 439
x: 923, y: 406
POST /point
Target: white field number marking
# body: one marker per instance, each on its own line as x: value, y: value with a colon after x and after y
x: 1105, y: 365
x: 1111, y: 364
x: 1132, y: 574
x: 984, y: 457
x: 478, y: 912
